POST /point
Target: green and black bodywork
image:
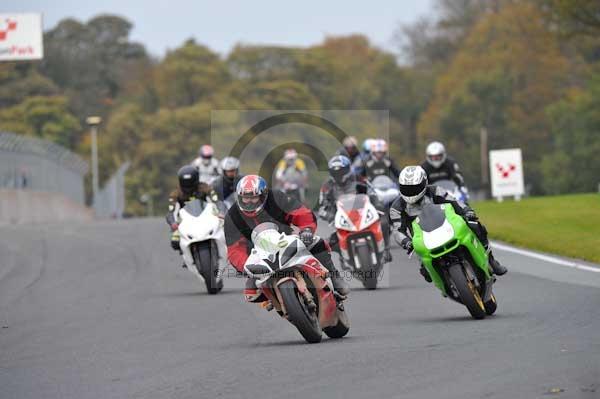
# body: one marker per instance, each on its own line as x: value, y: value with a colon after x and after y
x: 454, y: 258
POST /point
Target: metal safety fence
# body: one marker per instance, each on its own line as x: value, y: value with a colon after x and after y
x: 28, y: 163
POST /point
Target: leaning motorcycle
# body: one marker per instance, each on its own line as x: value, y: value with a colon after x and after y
x: 455, y: 259
x: 202, y: 243
x: 360, y: 238
x: 295, y: 283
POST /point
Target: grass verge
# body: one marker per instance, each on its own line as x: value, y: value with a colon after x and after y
x: 567, y: 225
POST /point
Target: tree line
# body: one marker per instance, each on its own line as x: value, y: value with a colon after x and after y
x: 527, y: 71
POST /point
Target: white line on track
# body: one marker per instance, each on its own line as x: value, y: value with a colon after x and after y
x: 545, y: 258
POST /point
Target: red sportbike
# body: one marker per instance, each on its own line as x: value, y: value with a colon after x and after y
x: 295, y: 283
x: 360, y: 238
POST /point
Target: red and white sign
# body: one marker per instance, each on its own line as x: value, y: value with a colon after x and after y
x: 21, y: 37
x: 506, y: 171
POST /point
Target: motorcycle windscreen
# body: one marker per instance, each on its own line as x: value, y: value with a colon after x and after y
x: 383, y: 183
x: 437, y: 230
x: 352, y: 201
x: 194, y: 207
x: 431, y: 217
x: 447, y: 185
x: 267, y: 238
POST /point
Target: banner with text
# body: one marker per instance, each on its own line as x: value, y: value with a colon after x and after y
x: 506, y: 171
x: 21, y: 37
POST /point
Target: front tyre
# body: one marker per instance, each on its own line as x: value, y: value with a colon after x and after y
x: 299, y: 315
x: 206, y: 259
x: 367, y: 273
x: 467, y: 292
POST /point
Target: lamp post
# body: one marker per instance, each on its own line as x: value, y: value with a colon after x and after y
x: 94, y: 122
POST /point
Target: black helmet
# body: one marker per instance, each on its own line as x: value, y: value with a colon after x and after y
x: 339, y: 169
x: 188, y: 179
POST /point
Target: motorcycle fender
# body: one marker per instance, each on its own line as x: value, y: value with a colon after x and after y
x: 186, y: 254
x: 300, y: 284
x: 487, y: 293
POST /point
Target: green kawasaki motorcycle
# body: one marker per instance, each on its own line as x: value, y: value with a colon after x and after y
x: 455, y: 259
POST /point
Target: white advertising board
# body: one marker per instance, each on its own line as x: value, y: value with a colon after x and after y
x: 21, y: 37
x: 506, y: 172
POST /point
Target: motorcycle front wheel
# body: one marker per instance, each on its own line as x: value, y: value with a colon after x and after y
x: 299, y: 315
x: 467, y: 291
x: 206, y: 259
x: 368, y: 273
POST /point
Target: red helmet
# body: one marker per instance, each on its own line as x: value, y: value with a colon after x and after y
x: 206, y: 151
x: 251, y: 193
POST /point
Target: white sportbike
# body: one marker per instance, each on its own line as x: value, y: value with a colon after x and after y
x: 202, y: 243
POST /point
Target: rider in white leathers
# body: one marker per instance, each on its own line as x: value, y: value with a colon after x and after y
x: 207, y: 164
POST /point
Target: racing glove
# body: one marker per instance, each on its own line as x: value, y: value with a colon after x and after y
x: 407, y: 245
x: 471, y: 216
x: 307, y: 236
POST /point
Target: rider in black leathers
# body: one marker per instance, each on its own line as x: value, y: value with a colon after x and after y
x: 439, y: 166
x: 225, y: 184
x: 343, y: 181
x: 414, y: 193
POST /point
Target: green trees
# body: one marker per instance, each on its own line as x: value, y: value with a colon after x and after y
x: 508, y: 70
x: 91, y: 61
x: 526, y: 70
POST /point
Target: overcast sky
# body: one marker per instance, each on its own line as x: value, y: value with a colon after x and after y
x: 162, y: 25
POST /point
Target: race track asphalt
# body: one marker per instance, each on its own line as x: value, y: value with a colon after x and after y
x: 103, y: 310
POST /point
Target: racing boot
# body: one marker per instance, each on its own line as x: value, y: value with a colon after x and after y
x: 339, y: 285
x: 425, y: 273
x: 387, y: 255
x: 498, y: 269
x: 322, y: 252
x: 252, y: 293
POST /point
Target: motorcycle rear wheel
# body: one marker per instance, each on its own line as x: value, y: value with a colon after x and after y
x: 305, y: 321
x: 468, y: 293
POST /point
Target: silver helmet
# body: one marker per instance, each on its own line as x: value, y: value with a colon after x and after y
x: 230, y: 163
x: 436, y: 154
x: 413, y: 182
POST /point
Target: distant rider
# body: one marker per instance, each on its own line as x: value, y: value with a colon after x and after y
x: 189, y: 189
x: 343, y: 181
x: 291, y: 174
x: 379, y: 163
x: 225, y: 184
x: 257, y: 204
x: 350, y: 149
x: 414, y: 193
x: 440, y: 166
x: 207, y: 164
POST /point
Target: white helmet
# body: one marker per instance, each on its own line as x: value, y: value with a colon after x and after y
x: 230, y: 163
x: 413, y: 182
x: 379, y: 145
x: 436, y: 154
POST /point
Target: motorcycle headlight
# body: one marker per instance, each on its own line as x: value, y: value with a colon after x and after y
x: 370, y: 216
x: 289, y: 253
x: 345, y: 222
x: 257, y: 270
